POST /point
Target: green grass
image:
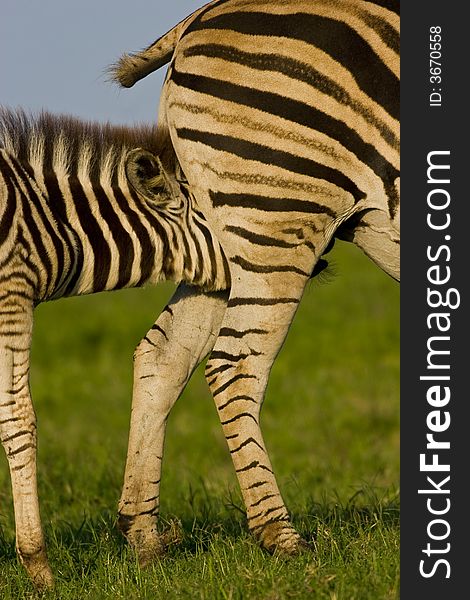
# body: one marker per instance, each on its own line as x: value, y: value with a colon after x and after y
x: 331, y: 423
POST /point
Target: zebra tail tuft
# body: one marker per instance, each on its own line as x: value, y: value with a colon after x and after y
x: 133, y: 67
x: 130, y: 68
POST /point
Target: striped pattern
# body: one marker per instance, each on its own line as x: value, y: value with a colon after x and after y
x: 73, y: 222
x: 87, y: 228
x: 284, y: 116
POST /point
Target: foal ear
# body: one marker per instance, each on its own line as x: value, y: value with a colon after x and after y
x: 146, y: 175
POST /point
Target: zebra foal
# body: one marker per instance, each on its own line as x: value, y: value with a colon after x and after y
x: 284, y: 115
x: 81, y: 211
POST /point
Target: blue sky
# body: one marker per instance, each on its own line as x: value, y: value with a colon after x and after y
x: 53, y: 54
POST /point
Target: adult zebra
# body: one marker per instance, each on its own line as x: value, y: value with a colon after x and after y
x: 81, y: 211
x: 284, y: 117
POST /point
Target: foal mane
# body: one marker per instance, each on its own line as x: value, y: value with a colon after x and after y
x: 72, y: 146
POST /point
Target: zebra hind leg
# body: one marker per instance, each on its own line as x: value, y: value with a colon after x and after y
x: 18, y: 436
x: 163, y: 363
x: 251, y: 335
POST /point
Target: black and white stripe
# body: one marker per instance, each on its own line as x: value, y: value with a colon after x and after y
x: 284, y: 116
x: 82, y: 210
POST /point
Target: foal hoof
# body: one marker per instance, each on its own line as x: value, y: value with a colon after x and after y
x: 151, y: 546
x: 38, y: 569
x: 150, y: 552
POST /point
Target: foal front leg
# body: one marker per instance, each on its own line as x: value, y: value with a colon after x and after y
x: 18, y: 436
x: 164, y: 360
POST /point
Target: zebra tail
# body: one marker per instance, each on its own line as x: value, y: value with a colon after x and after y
x: 133, y: 67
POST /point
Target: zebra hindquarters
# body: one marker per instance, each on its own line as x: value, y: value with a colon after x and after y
x: 274, y: 213
x: 164, y: 360
x: 282, y: 137
x: 18, y: 429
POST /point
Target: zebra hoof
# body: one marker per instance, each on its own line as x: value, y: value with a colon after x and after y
x: 282, y: 539
x: 302, y: 547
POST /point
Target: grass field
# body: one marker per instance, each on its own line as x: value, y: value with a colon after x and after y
x: 331, y: 423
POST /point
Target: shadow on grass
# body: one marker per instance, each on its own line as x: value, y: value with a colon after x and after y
x: 83, y: 546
